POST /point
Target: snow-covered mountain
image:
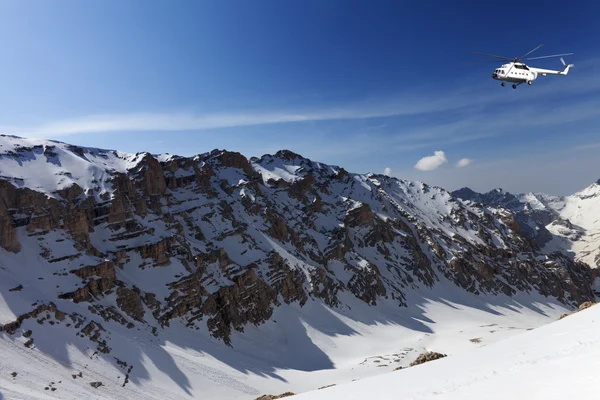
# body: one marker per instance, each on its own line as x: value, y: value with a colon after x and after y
x: 220, y: 276
x: 569, y: 224
x: 557, y: 361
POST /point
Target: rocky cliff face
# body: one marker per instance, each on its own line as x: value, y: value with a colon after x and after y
x: 531, y: 221
x: 218, y: 241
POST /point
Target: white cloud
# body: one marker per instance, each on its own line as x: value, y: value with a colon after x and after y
x: 387, y: 171
x: 463, y: 162
x: 430, y: 163
x: 573, y: 168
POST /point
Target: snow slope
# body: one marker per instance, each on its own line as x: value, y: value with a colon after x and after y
x: 557, y: 361
x: 22, y: 160
x: 275, y: 358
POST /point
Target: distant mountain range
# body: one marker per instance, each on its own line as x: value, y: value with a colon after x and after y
x: 569, y: 224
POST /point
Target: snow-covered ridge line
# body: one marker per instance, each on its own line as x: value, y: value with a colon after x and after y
x: 569, y: 224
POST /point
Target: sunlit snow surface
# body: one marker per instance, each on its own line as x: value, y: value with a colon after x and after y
x: 301, y: 349
x: 557, y: 361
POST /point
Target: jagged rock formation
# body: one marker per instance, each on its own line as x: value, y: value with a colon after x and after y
x: 531, y: 222
x: 274, y: 397
x: 218, y: 241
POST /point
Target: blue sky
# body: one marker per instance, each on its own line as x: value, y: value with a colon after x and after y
x: 371, y: 86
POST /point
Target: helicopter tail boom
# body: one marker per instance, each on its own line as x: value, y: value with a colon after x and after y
x: 567, y: 66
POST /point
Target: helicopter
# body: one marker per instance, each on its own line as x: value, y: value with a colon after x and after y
x: 517, y: 72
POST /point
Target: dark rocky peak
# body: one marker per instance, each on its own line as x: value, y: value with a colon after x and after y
x: 287, y: 166
x: 289, y: 155
x: 149, y: 174
x: 223, y: 158
x: 172, y: 163
x: 285, y: 157
x: 84, y: 152
x: 502, y: 198
x: 466, y: 194
x: 167, y: 158
x: 496, y: 198
x: 77, y: 150
x: 144, y: 160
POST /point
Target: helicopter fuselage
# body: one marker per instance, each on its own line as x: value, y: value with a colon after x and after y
x: 518, y: 73
x: 515, y: 73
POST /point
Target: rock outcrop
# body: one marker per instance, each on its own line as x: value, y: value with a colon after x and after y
x: 426, y: 357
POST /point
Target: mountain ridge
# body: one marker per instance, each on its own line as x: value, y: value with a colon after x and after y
x: 213, y: 251
x: 554, y: 223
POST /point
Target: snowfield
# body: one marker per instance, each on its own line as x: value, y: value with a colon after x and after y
x: 557, y: 361
x: 301, y: 350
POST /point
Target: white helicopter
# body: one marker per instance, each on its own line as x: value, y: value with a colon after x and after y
x: 517, y: 72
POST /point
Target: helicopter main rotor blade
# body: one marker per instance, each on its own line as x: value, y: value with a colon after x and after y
x: 491, y: 55
x: 554, y: 55
x: 483, y: 62
x: 529, y: 52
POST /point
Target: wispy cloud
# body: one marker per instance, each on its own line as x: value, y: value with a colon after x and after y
x: 418, y: 101
x: 178, y: 121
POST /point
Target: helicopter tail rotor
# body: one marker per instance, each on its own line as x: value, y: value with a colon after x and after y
x: 567, y: 66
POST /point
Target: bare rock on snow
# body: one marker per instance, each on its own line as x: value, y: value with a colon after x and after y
x: 426, y: 357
